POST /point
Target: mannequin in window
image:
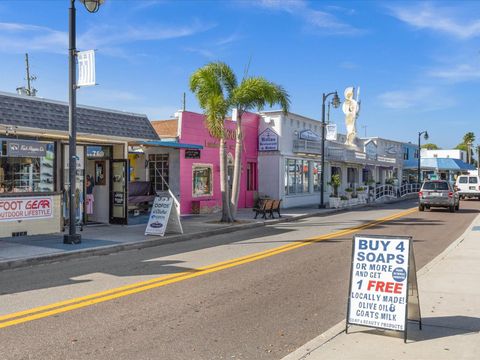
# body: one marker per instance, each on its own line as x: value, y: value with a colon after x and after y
x: 89, y: 184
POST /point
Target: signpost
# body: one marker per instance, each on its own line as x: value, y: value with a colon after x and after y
x: 165, y: 214
x: 383, y: 291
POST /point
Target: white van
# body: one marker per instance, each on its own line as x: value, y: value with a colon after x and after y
x: 468, y: 186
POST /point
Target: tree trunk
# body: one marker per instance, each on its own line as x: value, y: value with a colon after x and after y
x: 226, y: 214
x: 237, y: 169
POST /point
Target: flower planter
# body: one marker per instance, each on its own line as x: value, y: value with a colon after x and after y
x: 334, y: 202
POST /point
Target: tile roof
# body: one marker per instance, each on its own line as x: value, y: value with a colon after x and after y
x: 33, y: 112
x: 166, y: 128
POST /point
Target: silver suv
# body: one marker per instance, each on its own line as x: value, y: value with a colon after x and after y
x: 438, y: 193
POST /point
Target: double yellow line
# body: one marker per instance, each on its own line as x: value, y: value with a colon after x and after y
x: 115, y: 293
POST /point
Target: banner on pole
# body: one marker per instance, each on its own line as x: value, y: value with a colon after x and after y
x: 331, y: 132
x: 383, y: 291
x: 86, y: 68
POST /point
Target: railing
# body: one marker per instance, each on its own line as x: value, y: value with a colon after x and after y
x: 354, y: 156
x: 409, y: 189
x: 384, y: 192
x: 307, y: 146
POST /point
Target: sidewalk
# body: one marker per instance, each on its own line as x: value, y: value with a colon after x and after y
x: 105, y: 239
x: 450, y: 307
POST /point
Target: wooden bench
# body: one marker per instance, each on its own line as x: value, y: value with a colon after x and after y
x: 268, y: 206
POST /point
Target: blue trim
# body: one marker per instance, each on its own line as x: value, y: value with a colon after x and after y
x: 172, y: 144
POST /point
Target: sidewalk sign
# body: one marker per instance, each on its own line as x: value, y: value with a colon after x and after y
x: 165, y: 214
x: 383, y: 290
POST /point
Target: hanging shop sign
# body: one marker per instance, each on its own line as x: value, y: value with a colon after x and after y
x: 331, y: 130
x: 268, y: 140
x: 192, y: 154
x: 371, y: 150
x: 383, y: 290
x: 165, y: 214
x: 309, y: 135
x: 25, y: 148
x: 26, y: 208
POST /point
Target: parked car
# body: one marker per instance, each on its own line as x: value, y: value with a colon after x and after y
x: 468, y: 186
x: 438, y: 193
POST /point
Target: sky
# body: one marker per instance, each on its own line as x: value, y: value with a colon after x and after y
x: 417, y: 63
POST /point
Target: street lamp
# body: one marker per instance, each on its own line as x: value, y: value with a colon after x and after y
x: 425, y: 136
x: 92, y: 6
x: 336, y: 103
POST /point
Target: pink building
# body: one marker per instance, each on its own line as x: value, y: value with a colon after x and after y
x: 194, y: 174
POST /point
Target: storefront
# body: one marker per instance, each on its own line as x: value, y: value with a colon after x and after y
x: 34, y: 164
x: 290, y: 151
x: 196, y: 177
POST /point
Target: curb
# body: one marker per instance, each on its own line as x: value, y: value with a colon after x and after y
x: 158, y: 241
x: 306, y: 350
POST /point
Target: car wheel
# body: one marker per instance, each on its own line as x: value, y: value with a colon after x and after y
x: 421, y: 207
x: 427, y: 207
x: 451, y: 208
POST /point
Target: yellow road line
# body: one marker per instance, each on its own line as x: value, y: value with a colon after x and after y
x: 80, y: 302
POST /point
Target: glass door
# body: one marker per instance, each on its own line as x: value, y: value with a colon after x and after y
x: 118, y: 202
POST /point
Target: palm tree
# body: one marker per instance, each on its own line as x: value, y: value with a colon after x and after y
x: 468, y: 140
x: 212, y: 84
x: 252, y: 93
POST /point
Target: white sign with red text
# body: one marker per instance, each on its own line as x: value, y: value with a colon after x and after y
x: 26, y: 208
x: 379, y: 282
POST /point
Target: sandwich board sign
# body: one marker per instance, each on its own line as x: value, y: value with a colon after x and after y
x: 383, y: 290
x: 165, y: 214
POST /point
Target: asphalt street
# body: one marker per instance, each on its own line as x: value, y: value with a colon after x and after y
x: 259, y: 307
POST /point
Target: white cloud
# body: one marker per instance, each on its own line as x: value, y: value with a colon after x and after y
x: 457, y: 73
x: 420, y: 99
x: 317, y: 19
x: 427, y: 16
x: 20, y: 38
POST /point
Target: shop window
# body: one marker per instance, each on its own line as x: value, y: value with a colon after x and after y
x: 251, y: 176
x: 158, y: 165
x: 317, y: 172
x: 202, y: 180
x: 26, y: 166
x: 405, y: 154
x: 297, y: 176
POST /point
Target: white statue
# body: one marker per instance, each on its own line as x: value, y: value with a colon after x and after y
x: 351, y: 108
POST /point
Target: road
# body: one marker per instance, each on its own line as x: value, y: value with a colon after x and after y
x: 254, y: 294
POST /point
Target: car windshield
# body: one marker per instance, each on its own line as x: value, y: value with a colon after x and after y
x: 472, y: 180
x: 440, y: 185
x: 462, y: 180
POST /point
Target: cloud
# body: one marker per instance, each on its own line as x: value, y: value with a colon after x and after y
x: 458, y: 73
x: 427, y: 16
x: 348, y: 65
x: 19, y: 38
x: 203, y: 52
x: 316, y: 19
x: 420, y: 99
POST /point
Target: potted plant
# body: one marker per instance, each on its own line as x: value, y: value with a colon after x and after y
x: 349, y: 192
x: 334, y: 201
x: 335, y: 183
x: 343, y: 201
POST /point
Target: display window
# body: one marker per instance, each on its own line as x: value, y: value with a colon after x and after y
x: 297, y: 177
x: 26, y: 166
x: 202, y: 180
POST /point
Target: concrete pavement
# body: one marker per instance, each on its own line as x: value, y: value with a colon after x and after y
x: 106, y: 239
x: 450, y: 306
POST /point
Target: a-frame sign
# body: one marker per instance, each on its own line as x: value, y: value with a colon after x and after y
x: 383, y: 290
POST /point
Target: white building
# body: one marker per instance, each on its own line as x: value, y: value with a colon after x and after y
x: 289, y: 160
x: 444, y: 154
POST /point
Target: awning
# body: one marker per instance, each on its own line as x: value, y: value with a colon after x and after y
x: 445, y: 164
x: 170, y: 144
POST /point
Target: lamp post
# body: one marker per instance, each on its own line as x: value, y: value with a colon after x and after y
x: 336, y: 104
x: 425, y: 136
x: 92, y: 6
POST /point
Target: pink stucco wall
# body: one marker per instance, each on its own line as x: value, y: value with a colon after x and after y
x: 194, y: 131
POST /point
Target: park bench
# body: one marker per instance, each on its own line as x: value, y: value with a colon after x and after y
x: 267, y: 207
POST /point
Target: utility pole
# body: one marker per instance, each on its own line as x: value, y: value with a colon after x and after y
x: 29, y: 90
x: 184, y: 101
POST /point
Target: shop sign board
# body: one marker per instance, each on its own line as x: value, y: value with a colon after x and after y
x: 309, y: 135
x: 331, y: 132
x: 268, y: 140
x: 383, y: 291
x: 165, y: 214
x: 25, y: 148
x: 26, y: 208
x: 192, y: 154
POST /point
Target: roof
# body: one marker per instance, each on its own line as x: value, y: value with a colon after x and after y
x: 445, y: 164
x: 166, y: 128
x: 34, y: 112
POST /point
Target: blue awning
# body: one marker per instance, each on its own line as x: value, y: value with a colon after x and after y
x: 445, y: 164
x: 171, y: 144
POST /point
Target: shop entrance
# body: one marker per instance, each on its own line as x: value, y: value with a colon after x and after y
x: 97, y: 184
